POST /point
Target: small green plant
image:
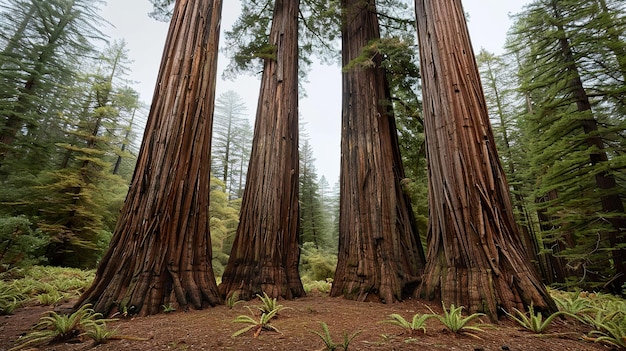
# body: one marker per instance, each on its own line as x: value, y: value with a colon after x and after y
x: 534, y: 321
x: 10, y: 298
x: 574, y: 305
x: 232, y: 300
x: 611, y: 332
x: 169, y: 308
x: 453, y: 319
x: 49, y: 299
x: 262, y: 324
x: 268, y: 304
x: 100, y: 333
x: 417, y: 323
x: 329, y: 344
x: 54, y: 327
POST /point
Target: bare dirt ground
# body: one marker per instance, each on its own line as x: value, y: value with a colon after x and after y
x: 211, y: 329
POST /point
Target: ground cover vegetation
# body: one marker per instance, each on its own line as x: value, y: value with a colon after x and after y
x: 69, y: 145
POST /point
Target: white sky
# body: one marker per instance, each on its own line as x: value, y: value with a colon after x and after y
x: 321, y: 109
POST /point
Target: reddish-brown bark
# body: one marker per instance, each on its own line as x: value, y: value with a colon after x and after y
x: 380, y: 255
x: 475, y: 255
x: 265, y: 253
x: 160, y: 253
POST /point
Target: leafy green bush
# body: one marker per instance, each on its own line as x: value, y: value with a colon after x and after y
x: 316, y: 264
x: 20, y: 244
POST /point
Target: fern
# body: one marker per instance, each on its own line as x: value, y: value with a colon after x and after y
x: 534, y: 321
x: 329, y: 344
x: 417, y: 323
x: 454, y: 320
x: 262, y: 324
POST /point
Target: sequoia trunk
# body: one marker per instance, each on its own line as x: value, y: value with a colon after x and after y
x: 475, y: 255
x: 160, y: 254
x: 265, y: 253
x: 380, y: 254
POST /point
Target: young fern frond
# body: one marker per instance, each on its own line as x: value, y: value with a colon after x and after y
x: 453, y: 319
x: 329, y: 344
x: 534, y: 321
x: 417, y: 323
x: 611, y: 332
x: 268, y: 304
x: 262, y: 324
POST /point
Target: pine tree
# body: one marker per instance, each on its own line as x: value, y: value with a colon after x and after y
x: 313, y: 224
x: 574, y: 134
x: 56, y: 34
x: 228, y: 133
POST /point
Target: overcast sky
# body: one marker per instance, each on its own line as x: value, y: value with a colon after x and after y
x: 321, y: 109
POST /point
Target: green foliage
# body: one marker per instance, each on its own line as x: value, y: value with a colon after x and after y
x: 322, y: 286
x: 262, y: 324
x: 44, y: 285
x: 572, y: 130
x: 169, y: 308
x: 329, y: 344
x: 316, y: 264
x: 454, y: 320
x: 10, y: 297
x: 54, y: 327
x: 232, y: 299
x: 572, y: 304
x: 100, y: 333
x: 534, y: 321
x: 268, y: 304
x: 49, y: 299
x: 20, y: 244
x: 417, y: 323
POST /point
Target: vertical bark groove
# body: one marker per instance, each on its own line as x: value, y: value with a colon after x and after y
x: 265, y: 253
x: 475, y: 256
x: 380, y: 254
x: 160, y: 253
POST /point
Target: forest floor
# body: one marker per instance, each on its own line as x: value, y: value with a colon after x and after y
x: 211, y: 329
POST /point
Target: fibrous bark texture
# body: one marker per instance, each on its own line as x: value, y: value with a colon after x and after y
x: 380, y: 255
x: 160, y: 253
x: 265, y: 253
x: 475, y: 256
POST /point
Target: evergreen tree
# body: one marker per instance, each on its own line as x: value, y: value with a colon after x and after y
x: 265, y: 254
x: 47, y: 39
x: 228, y: 134
x: 575, y: 136
x: 78, y: 200
x: 475, y: 254
x: 498, y: 78
x: 313, y: 218
x: 160, y: 253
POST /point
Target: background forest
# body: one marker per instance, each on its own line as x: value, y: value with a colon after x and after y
x: 70, y: 125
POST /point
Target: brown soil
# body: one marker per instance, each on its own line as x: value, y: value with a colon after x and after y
x: 211, y: 329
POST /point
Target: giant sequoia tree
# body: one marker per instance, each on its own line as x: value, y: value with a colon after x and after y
x: 161, y: 250
x: 380, y: 255
x: 265, y: 254
x: 475, y: 255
